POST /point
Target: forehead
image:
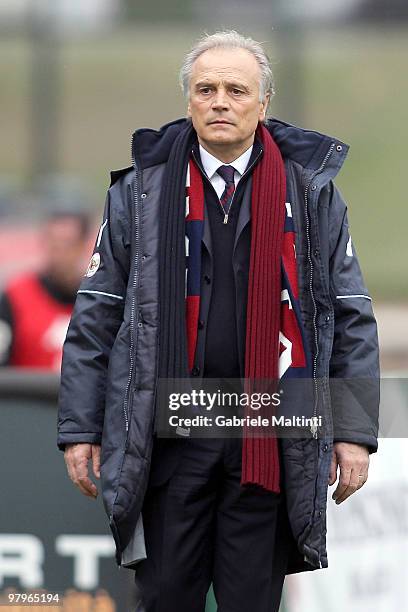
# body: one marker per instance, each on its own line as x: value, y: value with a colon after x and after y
x: 237, y: 64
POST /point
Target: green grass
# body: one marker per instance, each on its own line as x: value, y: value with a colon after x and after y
x: 352, y: 86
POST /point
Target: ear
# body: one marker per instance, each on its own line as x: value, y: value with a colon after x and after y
x: 263, y: 107
x: 189, y: 110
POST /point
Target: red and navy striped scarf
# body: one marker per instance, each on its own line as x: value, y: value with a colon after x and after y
x: 275, y: 346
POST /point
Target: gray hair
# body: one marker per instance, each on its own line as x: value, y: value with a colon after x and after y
x: 229, y: 39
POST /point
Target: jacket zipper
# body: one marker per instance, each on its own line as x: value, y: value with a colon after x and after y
x: 233, y: 196
x: 126, y: 403
x: 127, y: 399
x: 313, y: 427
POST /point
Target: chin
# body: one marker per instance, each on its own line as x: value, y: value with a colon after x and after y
x: 220, y: 137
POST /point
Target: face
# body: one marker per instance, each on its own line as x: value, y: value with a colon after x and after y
x: 64, y: 248
x: 224, y: 101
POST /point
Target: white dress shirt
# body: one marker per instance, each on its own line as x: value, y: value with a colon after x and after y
x: 211, y: 165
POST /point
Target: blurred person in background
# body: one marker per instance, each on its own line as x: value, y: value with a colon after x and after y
x: 35, y: 307
x: 235, y: 192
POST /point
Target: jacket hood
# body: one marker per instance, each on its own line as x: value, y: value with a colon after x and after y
x: 305, y: 147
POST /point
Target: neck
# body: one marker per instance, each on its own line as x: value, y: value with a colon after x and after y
x: 227, y: 153
x: 62, y: 292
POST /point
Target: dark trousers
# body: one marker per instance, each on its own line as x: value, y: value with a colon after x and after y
x: 201, y: 526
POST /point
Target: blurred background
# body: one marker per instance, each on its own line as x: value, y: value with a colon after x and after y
x: 77, y: 77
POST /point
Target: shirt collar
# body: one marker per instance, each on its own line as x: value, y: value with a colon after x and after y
x: 211, y: 163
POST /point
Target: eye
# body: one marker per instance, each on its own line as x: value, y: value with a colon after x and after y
x: 236, y: 92
x: 205, y: 90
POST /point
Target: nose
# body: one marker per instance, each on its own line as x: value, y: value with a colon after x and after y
x: 220, y: 100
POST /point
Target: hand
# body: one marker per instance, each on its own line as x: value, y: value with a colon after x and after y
x: 353, y: 460
x: 76, y: 458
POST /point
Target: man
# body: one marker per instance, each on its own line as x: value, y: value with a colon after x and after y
x: 273, y: 290
x: 35, y: 307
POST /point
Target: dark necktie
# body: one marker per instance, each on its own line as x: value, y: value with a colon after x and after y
x: 227, y: 173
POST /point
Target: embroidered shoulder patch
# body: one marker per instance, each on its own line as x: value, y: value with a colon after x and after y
x: 93, y: 264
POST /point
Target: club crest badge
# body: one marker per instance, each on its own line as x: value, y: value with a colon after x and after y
x: 93, y: 264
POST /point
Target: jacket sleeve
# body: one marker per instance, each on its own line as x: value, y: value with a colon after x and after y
x: 354, y: 364
x: 95, y: 321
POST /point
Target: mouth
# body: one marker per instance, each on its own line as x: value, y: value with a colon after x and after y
x: 220, y: 122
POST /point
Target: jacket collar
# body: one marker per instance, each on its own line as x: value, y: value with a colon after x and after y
x: 308, y: 148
